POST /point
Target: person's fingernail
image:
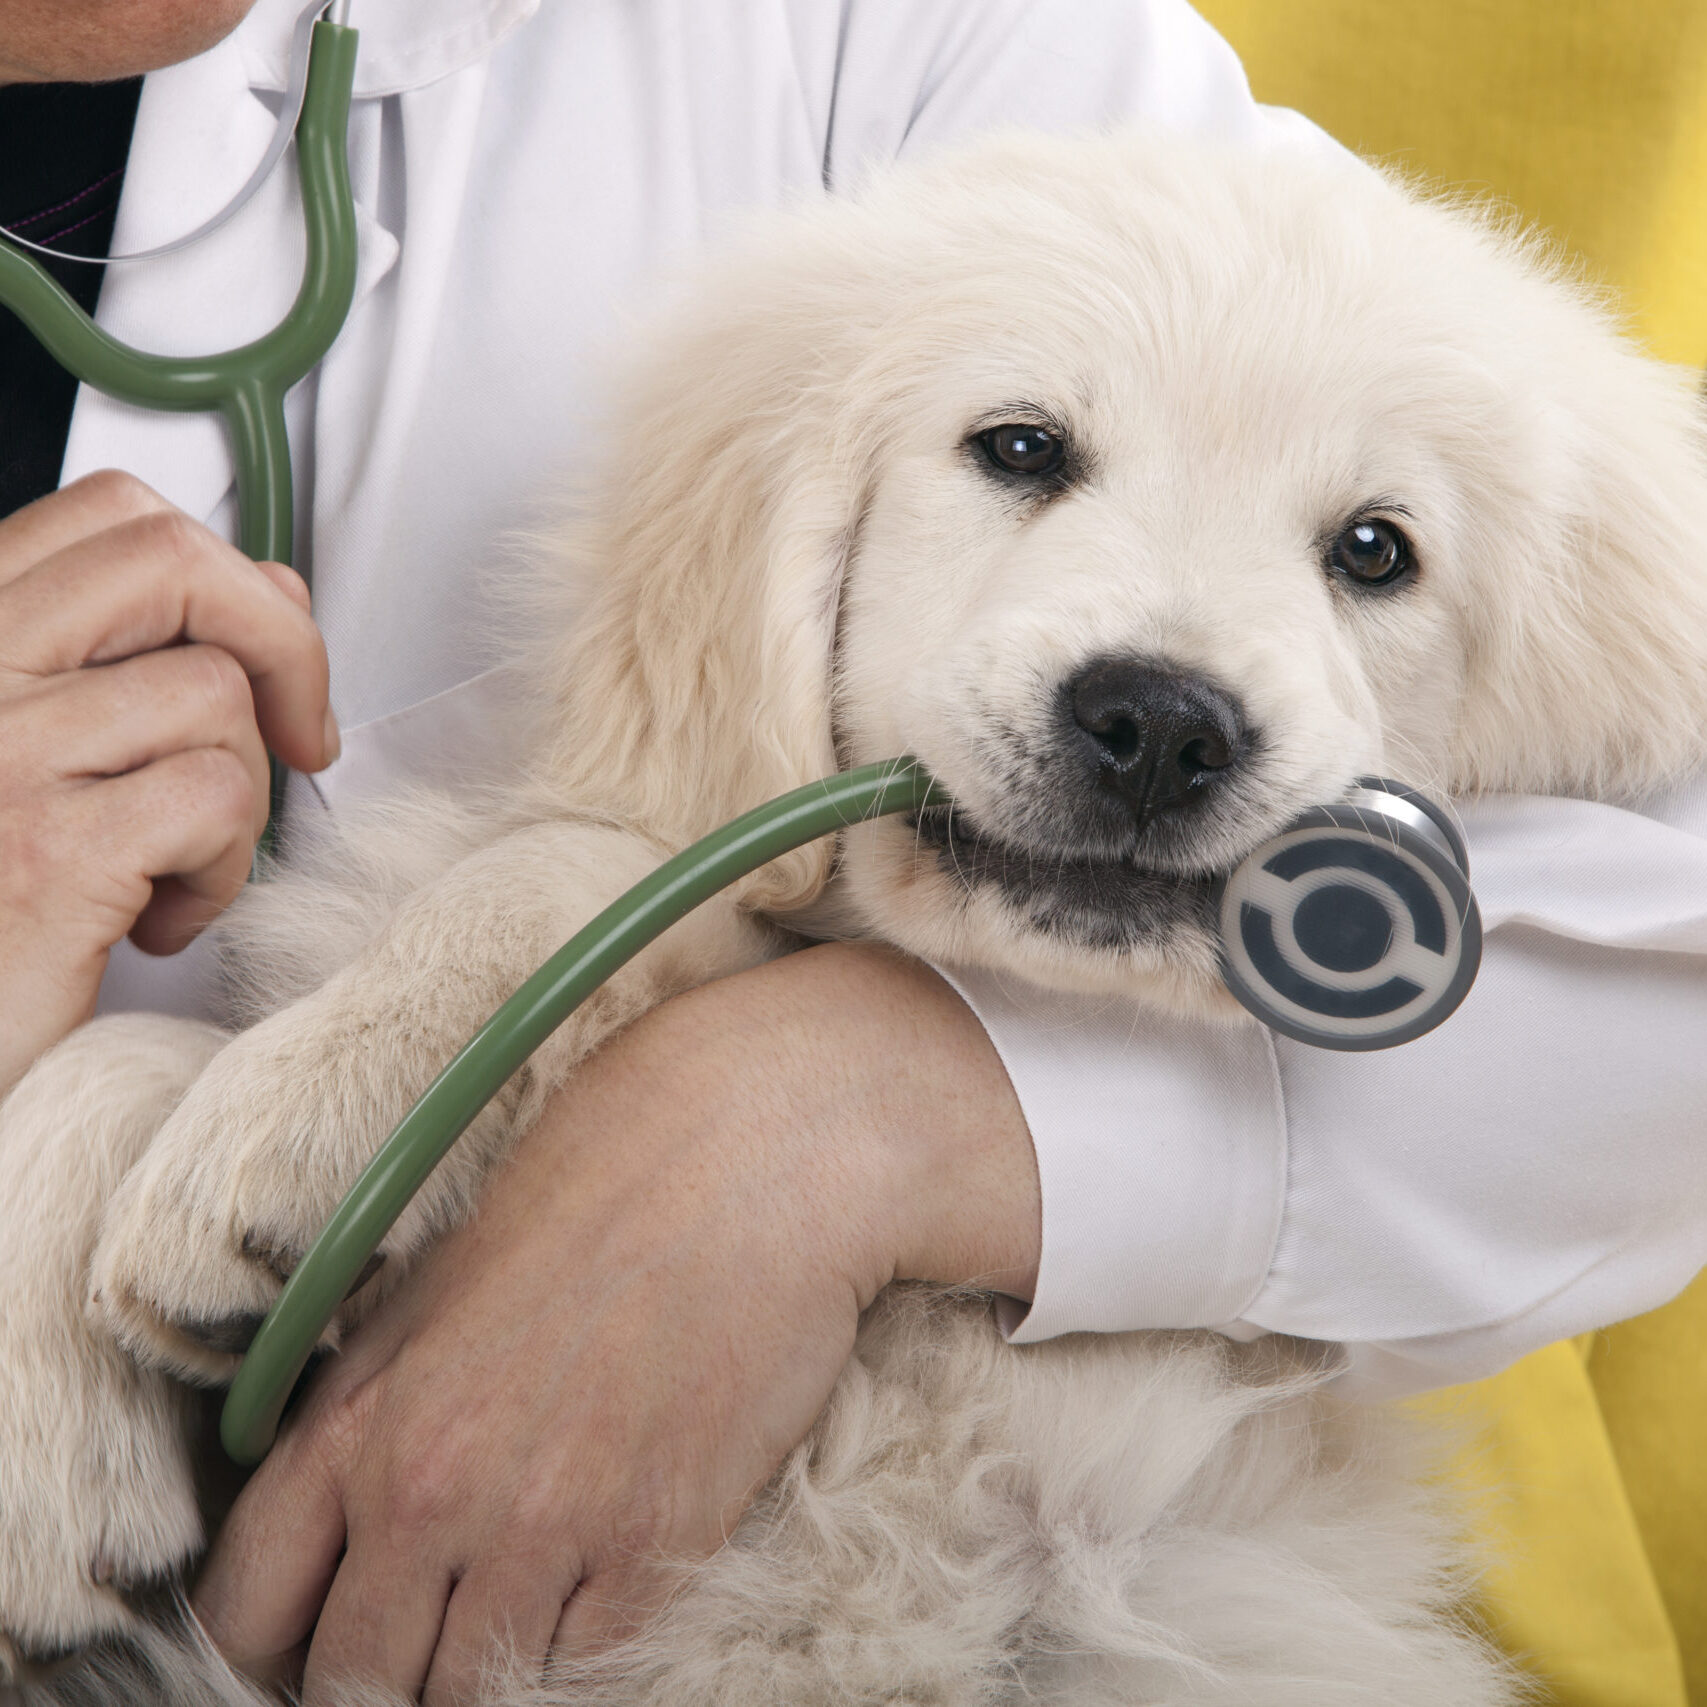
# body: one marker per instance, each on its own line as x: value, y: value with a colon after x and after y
x: 334, y: 740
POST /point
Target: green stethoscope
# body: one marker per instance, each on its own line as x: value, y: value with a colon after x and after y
x: 247, y: 388
x: 1395, y: 859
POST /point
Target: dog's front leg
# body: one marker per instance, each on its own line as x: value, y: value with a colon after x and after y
x: 196, y: 1243
x: 96, y: 1492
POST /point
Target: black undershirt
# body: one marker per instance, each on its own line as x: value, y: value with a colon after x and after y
x: 63, y: 148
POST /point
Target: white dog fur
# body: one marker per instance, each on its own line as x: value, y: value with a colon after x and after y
x: 799, y: 559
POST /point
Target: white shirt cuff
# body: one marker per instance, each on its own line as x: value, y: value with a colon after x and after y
x: 1163, y: 1181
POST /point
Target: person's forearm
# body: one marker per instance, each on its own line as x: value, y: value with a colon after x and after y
x: 655, y: 1299
x: 868, y: 1051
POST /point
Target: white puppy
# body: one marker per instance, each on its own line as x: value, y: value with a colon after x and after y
x: 1147, y: 493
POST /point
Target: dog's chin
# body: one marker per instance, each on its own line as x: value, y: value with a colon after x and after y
x: 1105, y: 905
x: 1089, y: 927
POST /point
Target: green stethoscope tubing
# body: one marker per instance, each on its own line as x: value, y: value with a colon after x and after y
x: 246, y: 386
x: 281, y: 1348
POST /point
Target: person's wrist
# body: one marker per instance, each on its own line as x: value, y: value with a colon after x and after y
x: 967, y: 1194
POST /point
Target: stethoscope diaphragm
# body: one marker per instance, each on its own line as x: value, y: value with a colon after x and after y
x: 1355, y: 928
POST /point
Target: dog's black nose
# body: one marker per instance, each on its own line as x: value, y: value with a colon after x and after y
x: 1157, y: 738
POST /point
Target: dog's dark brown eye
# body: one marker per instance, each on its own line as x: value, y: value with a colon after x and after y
x: 1372, y: 553
x: 1018, y: 449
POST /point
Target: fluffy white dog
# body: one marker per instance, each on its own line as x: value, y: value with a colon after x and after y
x: 1149, y: 494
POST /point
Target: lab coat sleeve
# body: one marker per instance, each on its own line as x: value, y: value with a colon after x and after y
x: 1534, y: 1168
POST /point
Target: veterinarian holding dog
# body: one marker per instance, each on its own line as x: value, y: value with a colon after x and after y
x: 663, y: 1285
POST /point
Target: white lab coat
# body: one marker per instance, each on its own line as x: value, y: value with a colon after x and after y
x: 521, y: 170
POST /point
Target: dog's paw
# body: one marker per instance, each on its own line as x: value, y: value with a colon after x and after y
x: 238, y: 1183
x: 204, y: 1231
x: 97, y: 1497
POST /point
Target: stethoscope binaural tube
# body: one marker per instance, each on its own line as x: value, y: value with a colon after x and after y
x: 245, y: 386
x: 1363, y: 834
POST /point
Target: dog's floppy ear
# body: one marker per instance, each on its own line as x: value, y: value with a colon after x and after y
x: 698, y: 683
x: 1593, y: 679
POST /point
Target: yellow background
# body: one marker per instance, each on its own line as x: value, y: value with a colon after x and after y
x: 1590, y: 116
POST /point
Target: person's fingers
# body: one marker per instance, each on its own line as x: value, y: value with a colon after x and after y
x: 272, y: 1563
x: 190, y: 815
x: 380, y: 1623
x: 287, y: 581
x: 499, y: 1620
x: 295, y: 588
x: 113, y: 718
x: 612, y: 1606
x: 161, y: 580
x: 95, y: 505
x: 92, y: 505
x: 176, y: 912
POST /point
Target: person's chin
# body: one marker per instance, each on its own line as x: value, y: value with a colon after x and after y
x: 48, y: 41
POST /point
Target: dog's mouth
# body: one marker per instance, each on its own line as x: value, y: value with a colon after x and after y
x: 1093, y: 903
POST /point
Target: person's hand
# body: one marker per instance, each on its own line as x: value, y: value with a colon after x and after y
x: 145, y: 668
x: 649, y: 1310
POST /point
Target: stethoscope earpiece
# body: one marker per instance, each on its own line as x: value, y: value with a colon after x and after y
x: 1355, y: 927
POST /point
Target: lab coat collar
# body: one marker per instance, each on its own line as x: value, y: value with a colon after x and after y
x: 200, y: 128
x: 405, y: 44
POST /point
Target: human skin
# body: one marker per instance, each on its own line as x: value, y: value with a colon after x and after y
x: 648, y: 1311
x: 133, y: 775
x: 660, y: 1289
x: 145, y: 668
x: 665, y: 1282
x: 658, y: 1292
x: 93, y: 41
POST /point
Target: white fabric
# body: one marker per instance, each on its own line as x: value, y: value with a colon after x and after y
x: 1532, y: 1169
x: 522, y: 171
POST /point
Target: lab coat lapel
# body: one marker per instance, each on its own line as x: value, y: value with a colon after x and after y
x: 200, y: 130
x: 373, y: 394
x: 373, y: 389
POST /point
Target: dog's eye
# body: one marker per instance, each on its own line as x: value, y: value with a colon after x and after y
x: 1018, y: 448
x: 1372, y: 553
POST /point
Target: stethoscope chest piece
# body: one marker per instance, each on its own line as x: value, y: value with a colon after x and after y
x: 1355, y: 927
